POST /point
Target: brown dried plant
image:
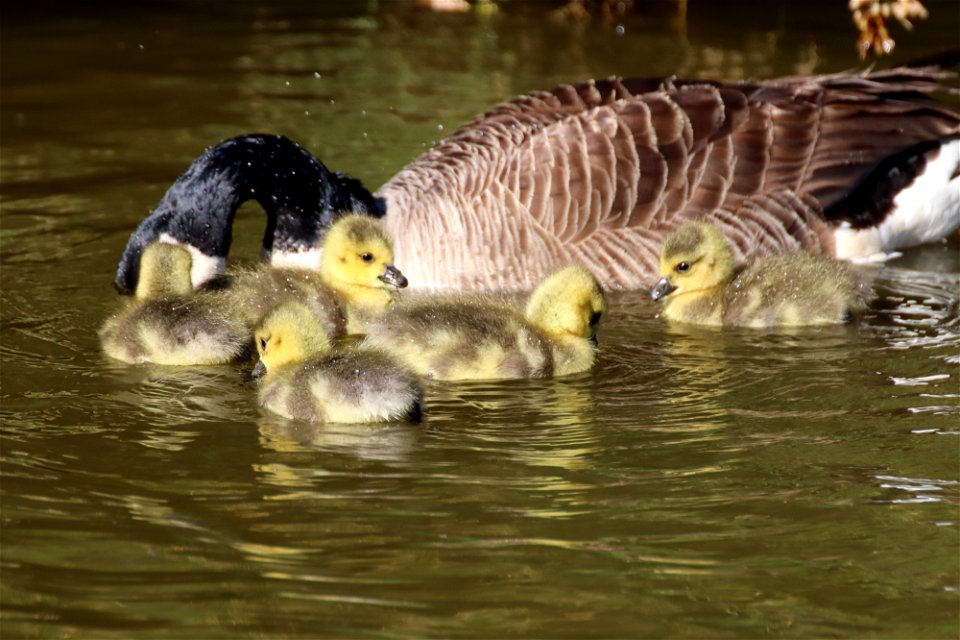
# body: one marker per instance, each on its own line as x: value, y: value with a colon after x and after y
x: 870, y: 17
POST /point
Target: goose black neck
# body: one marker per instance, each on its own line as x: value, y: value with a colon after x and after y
x: 300, y: 196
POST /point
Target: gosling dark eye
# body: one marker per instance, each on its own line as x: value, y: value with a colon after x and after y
x: 263, y: 344
x: 595, y: 318
x: 366, y: 257
x: 683, y: 267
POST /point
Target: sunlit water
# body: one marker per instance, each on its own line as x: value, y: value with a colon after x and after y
x: 698, y: 483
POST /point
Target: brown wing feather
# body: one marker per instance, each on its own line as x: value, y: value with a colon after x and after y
x: 600, y: 172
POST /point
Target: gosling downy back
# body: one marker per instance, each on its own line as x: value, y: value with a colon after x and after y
x: 795, y: 289
x: 253, y: 293
x: 166, y: 323
x: 599, y: 173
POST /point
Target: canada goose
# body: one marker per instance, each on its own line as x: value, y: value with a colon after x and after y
x: 699, y: 284
x: 302, y: 379
x: 599, y: 173
x: 350, y: 281
x: 166, y: 322
x: 488, y: 337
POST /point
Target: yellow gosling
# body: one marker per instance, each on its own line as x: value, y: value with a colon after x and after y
x: 354, y: 283
x: 489, y: 337
x: 166, y: 322
x: 700, y: 285
x: 302, y: 379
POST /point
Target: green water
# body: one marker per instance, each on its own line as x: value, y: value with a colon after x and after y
x: 696, y: 484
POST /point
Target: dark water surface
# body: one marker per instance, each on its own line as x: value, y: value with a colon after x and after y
x: 698, y: 483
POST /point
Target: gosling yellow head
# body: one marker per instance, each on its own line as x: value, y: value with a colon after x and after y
x: 357, y: 261
x: 164, y: 271
x: 695, y: 259
x: 569, y: 302
x: 289, y: 334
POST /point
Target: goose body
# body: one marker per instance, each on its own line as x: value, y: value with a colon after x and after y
x: 167, y: 323
x: 474, y: 337
x: 302, y: 379
x: 599, y: 173
x: 700, y: 285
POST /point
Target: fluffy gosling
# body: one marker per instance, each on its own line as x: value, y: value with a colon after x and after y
x: 699, y: 285
x: 353, y: 282
x: 301, y: 378
x: 166, y: 322
x: 477, y: 338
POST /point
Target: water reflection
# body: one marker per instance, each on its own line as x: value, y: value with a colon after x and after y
x: 386, y: 442
x: 919, y: 490
x: 172, y: 396
x: 548, y: 423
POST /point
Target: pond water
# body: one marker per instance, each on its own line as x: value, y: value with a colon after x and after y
x: 698, y: 483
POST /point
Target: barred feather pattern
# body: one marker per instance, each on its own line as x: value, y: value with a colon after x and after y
x: 599, y: 173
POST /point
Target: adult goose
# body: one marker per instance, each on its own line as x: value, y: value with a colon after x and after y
x: 599, y: 173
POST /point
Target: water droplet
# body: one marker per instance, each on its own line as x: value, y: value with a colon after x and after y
x: 439, y: 127
x: 620, y: 30
x: 316, y: 74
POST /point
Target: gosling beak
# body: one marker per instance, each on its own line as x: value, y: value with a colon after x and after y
x: 259, y: 370
x: 393, y: 276
x: 662, y: 288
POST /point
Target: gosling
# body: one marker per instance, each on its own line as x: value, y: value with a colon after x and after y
x: 699, y: 285
x: 490, y: 338
x: 302, y: 379
x: 167, y: 323
x: 354, y: 281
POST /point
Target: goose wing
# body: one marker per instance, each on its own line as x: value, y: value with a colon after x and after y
x: 602, y: 171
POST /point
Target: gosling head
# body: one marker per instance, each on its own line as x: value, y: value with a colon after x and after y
x: 164, y: 270
x: 569, y: 302
x: 358, y: 255
x: 290, y: 333
x: 695, y: 257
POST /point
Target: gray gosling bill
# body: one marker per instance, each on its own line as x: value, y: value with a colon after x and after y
x: 699, y: 285
x: 303, y: 379
x: 166, y: 322
x: 351, y: 281
x: 490, y: 338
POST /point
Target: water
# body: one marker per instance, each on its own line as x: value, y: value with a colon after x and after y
x: 698, y: 483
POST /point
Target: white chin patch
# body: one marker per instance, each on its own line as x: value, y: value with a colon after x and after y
x: 203, y: 266
x: 308, y: 259
x: 927, y: 210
